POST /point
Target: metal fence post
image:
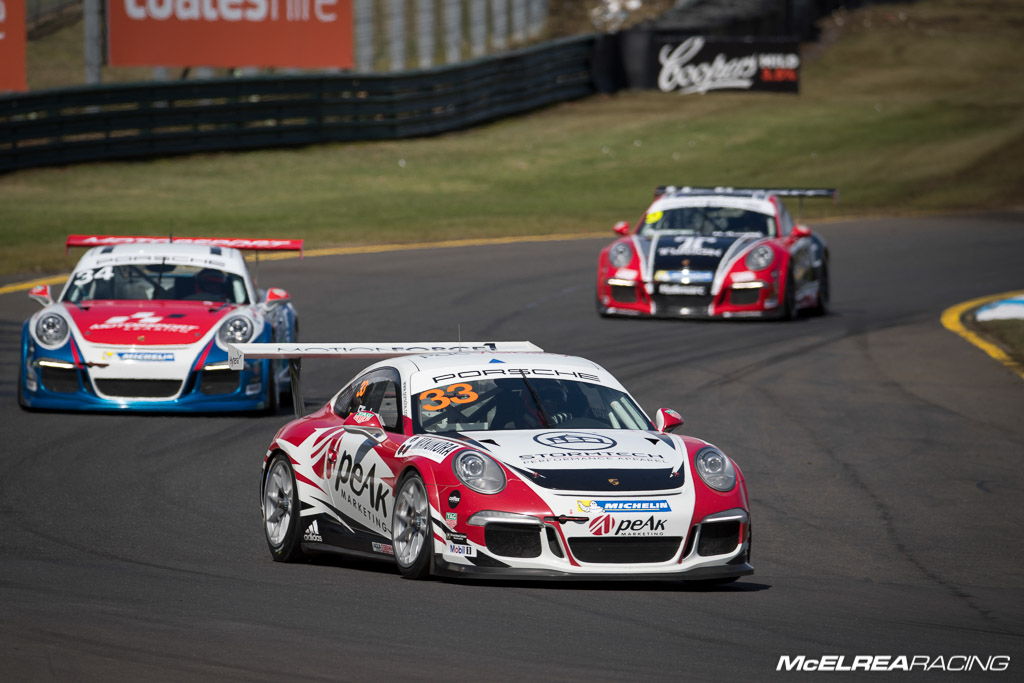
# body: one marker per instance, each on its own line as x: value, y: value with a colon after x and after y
x: 478, y: 27
x: 396, y: 34
x: 363, y: 28
x: 538, y: 19
x: 518, y: 21
x: 452, y: 31
x: 425, y: 33
x: 93, y: 20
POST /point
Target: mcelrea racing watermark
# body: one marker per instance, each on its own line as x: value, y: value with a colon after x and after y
x: 893, y: 663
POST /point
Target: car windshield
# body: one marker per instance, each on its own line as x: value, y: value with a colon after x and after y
x: 153, y: 281
x: 707, y: 220
x: 521, y: 403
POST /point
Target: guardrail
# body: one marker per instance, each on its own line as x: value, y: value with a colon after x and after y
x: 95, y: 123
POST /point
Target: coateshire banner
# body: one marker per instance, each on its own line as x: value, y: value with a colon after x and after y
x: 230, y: 33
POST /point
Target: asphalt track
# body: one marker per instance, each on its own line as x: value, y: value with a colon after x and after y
x: 883, y: 454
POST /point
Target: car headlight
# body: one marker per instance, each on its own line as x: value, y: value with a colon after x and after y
x: 620, y: 255
x: 235, y: 330
x: 478, y: 472
x: 760, y: 258
x: 715, y: 469
x: 51, y: 329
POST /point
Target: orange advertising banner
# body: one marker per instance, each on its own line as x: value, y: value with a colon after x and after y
x: 308, y: 34
x: 12, y: 46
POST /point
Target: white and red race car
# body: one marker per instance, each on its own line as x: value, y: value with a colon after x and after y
x: 143, y: 324
x: 495, y: 460
x: 705, y: 252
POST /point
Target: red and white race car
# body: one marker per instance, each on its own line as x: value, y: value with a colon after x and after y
x: 493, y: 459
x: 701, y: 252
x: 143, y: 324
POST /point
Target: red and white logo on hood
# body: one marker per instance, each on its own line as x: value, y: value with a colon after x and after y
x: 147, y: 322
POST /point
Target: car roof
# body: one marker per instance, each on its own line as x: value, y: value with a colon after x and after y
x: 222, y: 258
x: 760, y: 204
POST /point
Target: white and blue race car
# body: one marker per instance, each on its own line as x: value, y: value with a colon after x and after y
x: 143, y: 323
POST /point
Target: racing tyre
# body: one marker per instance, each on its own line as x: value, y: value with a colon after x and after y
x: 789, y: 299
x: 824, y: 293
x: 281, y: 521
x: 411, y: 535
x: 601, y: 310
x: 273, y: 393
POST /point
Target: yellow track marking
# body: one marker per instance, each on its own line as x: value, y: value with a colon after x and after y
x: 951, y: 320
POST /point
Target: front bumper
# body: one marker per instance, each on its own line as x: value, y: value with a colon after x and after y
x: 72, y: 388
x: 716, y: 548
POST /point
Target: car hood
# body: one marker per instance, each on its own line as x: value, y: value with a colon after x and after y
x: 156, y: 323
x: 697, y: 253
x: 588, y: 460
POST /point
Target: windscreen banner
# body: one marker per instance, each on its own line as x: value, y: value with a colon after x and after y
x: 12, y: 46
x: 696, y: 64
x: 308, y: 34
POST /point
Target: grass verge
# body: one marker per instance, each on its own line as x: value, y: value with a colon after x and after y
x: 905, y: 108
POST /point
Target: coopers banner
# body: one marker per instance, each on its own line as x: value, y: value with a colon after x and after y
x: 12, y: 45
x: 694, y: 64
x: 230, y: 33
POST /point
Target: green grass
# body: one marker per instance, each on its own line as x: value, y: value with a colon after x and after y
x: 904, y: 108
x: 1008, y: 334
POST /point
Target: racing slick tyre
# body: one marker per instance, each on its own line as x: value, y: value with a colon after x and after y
x: 273, y: 393
x: 281, y: 521
x: 411, y: 535
x: 821, y: 306
x: 788, y: 311
x: 601, y: 310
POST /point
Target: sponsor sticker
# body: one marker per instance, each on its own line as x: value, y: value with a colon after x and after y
x: 614, y: 506
x: 689, y: 290
x: 575, y: 441
x: 383, y: 548
x: 429, y: 447
x: 464, y: 550
x: 451, y: 519
x: 313, y: 533
x: 453, y: 499
x: 146, y: 356
x: 606, y: 525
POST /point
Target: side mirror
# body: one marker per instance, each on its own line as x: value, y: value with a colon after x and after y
x: 42, y: 294
x: 667, y: 420
x: 367, y: 423
x: 800, y: 231
x: 276, y: 295
x: 621, y: 228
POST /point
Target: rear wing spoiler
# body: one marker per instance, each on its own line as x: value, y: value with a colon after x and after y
x: 295, y: 352
x: 829, y: 193
x: 232, y: 242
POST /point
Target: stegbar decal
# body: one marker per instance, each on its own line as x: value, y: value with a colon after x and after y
x: 576, y: 441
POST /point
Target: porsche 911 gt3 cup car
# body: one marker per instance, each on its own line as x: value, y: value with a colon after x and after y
x: 715, y: 252
x: 143, y: 323
x: 493, y: 459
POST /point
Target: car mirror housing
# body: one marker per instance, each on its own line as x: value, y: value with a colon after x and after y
x: 621, y: 228
x: 668, y: 420
x: 801, y: 231
x: 276, y: 295
x: 42, y: 294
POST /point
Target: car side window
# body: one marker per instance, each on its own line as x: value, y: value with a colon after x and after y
x: 377, y: 392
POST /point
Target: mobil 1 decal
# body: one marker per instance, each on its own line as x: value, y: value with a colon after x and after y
x: 696, y: 64
x: 359, y: 482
